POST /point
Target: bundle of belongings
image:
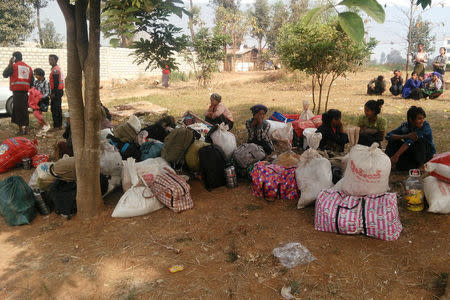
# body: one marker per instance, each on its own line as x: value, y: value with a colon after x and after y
x: 437, y: 185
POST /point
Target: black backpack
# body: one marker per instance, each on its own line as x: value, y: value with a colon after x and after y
x: 212, y: 166
x: 63, y: 195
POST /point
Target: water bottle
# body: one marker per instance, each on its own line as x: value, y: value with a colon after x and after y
x: 230, y: 176
x: 414, y: 191
x: 42, y: 206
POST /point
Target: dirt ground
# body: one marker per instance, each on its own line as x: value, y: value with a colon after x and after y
x: 225, y: 243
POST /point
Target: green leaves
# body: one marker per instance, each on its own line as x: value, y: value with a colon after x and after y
x: 352, y: 24
x: 314, y: 13
x: 424, y: 3
x: 371, y: 7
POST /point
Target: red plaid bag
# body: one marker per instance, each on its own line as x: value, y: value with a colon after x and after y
x: 373, y: 215
x: 171, y: 190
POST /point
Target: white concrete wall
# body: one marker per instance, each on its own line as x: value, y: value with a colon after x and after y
x: 115, y: 63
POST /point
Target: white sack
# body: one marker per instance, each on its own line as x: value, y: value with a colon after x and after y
x: 104, y: 133
x: 284, y: 136
x: 41, y: 177
x: 225, y: 140
x: 134, y: 122
x: 154, y: 166
x: 437, y: 193
x: 313, y: 173
x: 367, y: 171
x: 275, y: 125
x: 138, y: 200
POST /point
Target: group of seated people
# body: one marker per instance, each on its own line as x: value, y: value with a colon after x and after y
x: 409, y: 146
x: 417, y: 87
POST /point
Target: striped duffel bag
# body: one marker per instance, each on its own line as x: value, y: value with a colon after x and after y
x: 373, y: 215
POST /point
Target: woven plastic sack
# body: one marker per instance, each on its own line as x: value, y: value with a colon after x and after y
x: 439, y: 166
x: 17, y: 201
x: 437, y: 193
x: 13, y: 150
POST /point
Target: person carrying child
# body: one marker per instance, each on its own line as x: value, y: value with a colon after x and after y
x: 258, y: 128
x: 396, y: 83
x: 411, y: 145
x: 333, y: 136
x: 218, y: 113
x: 372, y: 127
x: 39, y: 99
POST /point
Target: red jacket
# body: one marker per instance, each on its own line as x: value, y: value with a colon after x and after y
x: 56, y: 69
x: 20, y: 80
x: 34, y: 96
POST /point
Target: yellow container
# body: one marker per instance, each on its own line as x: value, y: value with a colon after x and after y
x: 414, y: 200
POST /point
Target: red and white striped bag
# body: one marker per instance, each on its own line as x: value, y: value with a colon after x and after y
x: 171, y: 190
x: 373, y: 215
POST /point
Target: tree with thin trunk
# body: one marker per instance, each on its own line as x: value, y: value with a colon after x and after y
x: 38, y: 5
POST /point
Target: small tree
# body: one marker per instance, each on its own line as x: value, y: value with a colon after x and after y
x: 209, y: 50
x: 118, y: 23
x: 394, y: 57
x: 49, y: 37
x: 38, y: 5
x: 259, y: 21
x: 15, y: 22
x: 323, y: 51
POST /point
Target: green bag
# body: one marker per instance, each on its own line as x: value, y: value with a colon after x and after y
x: 192, y: 159
x: 17, y: 201
x: 176, y: 144
x: 125, y: 133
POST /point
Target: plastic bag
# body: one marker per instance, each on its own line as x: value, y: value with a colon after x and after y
x: 437, y: 193
x: 274, y: 125
x: 439, y: 166
x: 313, y: 172
x: 293, y: 254
x: 225, y: 140
x: 283, y: 137
x: 367, y: 171
x: 307, y: 114
x: 110, y: 162
x: 17, y: 201
x: 41, y: 178
x: 138, y: 200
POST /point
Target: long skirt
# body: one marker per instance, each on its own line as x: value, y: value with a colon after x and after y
x: 165, y: 80
x: 419, y: 69
x: 20, y: 108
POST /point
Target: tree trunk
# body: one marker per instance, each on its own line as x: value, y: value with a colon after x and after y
x: 313, y: 87
x: 191, y: 23
x: 38, y: 21
x: 83, y: 55
x: 409, y: 38
x: 328, y: 92
x: 320, y: 82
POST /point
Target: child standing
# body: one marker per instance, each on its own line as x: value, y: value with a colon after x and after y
x: 40, y: 102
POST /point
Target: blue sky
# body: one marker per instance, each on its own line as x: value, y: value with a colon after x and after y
x: 389, y: 34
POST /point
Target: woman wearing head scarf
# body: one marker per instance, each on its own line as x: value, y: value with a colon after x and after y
x: 218, y: 113
x: 258, y: 128
x: 432, y: 86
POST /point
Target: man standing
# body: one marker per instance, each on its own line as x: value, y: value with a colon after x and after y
x: 56, y: 91
x: 20, y: 81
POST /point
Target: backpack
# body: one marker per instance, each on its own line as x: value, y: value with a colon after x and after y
x: 126, y: 150
x: 247, y: 154
x: 151, y: 150
x: 176, y: 145
x: 192, y: 159
x: 274, y: 181
x: 172, y: 191
x: 156, y: 132
x: 63, y: 195
x: 17, y: 201
x: 212, y: 166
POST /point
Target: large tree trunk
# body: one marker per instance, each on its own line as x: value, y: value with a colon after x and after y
x: 38, y: 21
x: 83, y: 55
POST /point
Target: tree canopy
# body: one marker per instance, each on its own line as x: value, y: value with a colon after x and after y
x: 16, y: 22
x: 49, y: 37
x: 421, y: 33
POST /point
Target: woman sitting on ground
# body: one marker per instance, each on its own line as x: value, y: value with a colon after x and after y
x: 218, y: 113
x: 372, y: 127
x: 397, y: 83
x: 376, y: 86
x: 411, y: 145
x: 258, y: 128
x: 411, y: 90
x: 432, y: 86
x: 332, y: 130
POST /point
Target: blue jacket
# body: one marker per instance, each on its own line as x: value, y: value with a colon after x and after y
x: 423, y: 132
x: 409, y: 85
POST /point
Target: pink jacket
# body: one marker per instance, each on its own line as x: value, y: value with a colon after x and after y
x: 34, y: 97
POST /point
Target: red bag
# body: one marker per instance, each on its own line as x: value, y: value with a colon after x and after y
x: 439, y: 166
x: 39, y: 159
x: 301, y: 125
x: 34, y: 96
x: 317, y: 120
x: 13, y: 150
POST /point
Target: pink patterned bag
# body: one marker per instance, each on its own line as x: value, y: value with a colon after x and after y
x: 272, y: 181
x: 373, y: 215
